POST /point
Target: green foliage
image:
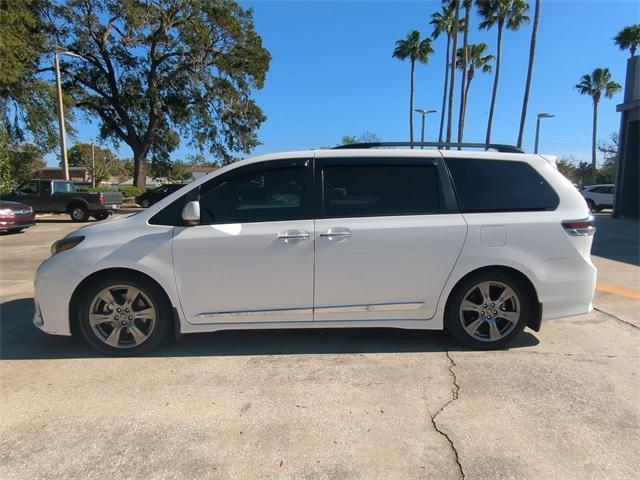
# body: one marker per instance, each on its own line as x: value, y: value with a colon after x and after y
x: 597, y: 83
x: 502, y: 13
x: 179, y: 172
x: 24, y: 161
x: 153, y: 72
x: 628, y: 38
x: 366, y: 137
x: 413, y: 48
x: 444, y: 21
x: 27, y: 106
x: 5, y: 165
x: 476, y: 59
x: 131, y: 191
x: 79, y: 155
x: 199, y: 160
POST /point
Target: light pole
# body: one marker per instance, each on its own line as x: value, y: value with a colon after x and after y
x: 93, y: 164
x: 540, y: 115
x: 424, y: 113
x: 63, y: 134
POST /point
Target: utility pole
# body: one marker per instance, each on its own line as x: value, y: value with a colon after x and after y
x: 63, y: 134
x: 93, y: 164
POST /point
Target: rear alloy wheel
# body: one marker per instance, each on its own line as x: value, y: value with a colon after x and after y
x: 79, y: 213
x: 488, y: 310
x: 124, y: 317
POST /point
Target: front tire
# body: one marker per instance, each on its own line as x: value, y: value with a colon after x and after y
x: 145, y: 203
x: 101, y: 216
x: 124, y: 316
x: 488, y: 310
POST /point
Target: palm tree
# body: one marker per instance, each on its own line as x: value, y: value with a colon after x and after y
x: 416, y: 50
x: 463, y: 87
x: 629, y: 38
x: 443, y: 23
x: 527, y: 87
x: 595, y: 85
x: 476, y: 60
x: 501, y: 13
x: 452, y: 84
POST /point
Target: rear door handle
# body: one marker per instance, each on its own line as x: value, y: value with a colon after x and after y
x: 336, y: 232
x: 293, y: 235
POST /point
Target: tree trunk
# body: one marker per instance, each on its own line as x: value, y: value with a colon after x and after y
x: 463, y: 84
x: 413, y: 65
x: 527, y: 88
x: 443, y: 112
x: 495, y: 84
x: 139, y: 167
x: 452, y: 73
x: 593, y: 142
x: 466, y: 98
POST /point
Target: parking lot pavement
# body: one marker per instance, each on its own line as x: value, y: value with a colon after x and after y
x: 369, y: 403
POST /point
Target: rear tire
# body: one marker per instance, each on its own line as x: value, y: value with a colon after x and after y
x: 124, y: 315
x: 488, y: 310
x: 101, y: 216
x: 78, y: 213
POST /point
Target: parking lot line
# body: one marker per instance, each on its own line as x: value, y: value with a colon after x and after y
x: 623, y: 292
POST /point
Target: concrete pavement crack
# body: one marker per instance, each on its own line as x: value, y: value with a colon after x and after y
x: 616, y: 318
x: 455, y: 389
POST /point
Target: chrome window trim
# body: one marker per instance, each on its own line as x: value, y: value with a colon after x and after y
x: 383, y: 307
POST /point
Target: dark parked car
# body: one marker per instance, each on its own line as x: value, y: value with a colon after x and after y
x: 152, y: 196
x: 60, y: 196
x: 15, y: 217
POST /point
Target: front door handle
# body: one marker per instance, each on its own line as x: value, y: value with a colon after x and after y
x: 336, y: 232
x: 293, y: 235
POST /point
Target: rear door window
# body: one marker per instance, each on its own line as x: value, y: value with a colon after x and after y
x: 499, y: 186
x: 379, y: 190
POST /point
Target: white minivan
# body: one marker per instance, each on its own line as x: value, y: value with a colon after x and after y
x: 481, y: 244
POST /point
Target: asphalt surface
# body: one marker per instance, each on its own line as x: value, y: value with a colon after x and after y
x: 331, y: 404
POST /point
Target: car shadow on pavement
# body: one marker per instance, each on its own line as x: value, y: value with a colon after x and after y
x: 21, y: 340
x: 617, y: 239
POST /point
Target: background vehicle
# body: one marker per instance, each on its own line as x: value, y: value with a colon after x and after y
x: 152, y: 196
x: 479, y: 243
x: 15, y: 217
x: 599, y: 197
x: 59, y: 196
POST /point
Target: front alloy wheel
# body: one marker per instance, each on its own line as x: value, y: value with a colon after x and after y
x: 124, y: 316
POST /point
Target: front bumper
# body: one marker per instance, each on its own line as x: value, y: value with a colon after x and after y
x: 54, y: 285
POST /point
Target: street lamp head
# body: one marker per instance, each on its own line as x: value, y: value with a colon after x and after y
x: 422, y: 111
x: 546, y: 115
x: 64, y: 51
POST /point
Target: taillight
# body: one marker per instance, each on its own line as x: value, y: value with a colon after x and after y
x: 580, y: 228
x: 101, y: 198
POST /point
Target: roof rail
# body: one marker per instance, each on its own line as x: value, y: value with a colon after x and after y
x: 440, y: 145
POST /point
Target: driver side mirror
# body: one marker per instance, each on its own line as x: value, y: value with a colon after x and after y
x: 191, y: 213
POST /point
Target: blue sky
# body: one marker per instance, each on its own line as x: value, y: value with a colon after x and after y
x: 332, y: 74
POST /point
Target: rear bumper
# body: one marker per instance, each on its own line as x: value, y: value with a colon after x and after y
x: 54, y: 285
x: 569, y: 286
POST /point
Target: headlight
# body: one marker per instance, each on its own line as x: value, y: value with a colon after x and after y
x: 65, y: 244
x: 5, y: 211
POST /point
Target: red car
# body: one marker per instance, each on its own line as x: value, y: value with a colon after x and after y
x: 15, y: 217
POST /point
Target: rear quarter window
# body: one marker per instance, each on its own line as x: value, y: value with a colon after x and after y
x: 499, y: 186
